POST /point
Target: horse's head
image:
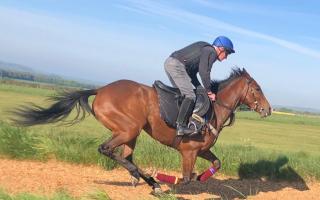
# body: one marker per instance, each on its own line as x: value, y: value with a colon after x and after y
x: 254, y: 98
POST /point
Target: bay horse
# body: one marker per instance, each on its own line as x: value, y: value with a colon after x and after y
x: 126, y: 107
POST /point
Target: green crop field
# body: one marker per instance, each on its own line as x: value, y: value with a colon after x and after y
x: 280, y: 147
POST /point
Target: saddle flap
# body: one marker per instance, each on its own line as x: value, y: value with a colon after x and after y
x: 158, y: 84
x: 170, y: 99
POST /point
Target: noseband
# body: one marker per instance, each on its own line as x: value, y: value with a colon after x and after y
x: 232, y: 110
x: 256, y: 104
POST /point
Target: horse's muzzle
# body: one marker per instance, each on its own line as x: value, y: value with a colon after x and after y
x: 265, y: 112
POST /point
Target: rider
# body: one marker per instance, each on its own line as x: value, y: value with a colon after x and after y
x: 182, y: 67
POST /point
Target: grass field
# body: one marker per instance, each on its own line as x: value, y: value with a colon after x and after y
x: 59, y: 195
x: 281, y: 146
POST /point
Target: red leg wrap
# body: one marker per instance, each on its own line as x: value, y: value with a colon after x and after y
x: 166, y: 178
x: 207, y: 174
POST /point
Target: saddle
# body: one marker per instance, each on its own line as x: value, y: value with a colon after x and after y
x: 170, y: 100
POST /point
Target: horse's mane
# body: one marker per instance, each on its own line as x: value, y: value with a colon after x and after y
x: 236, y: 72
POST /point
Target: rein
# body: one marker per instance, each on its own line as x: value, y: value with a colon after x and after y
x: 231, y: 116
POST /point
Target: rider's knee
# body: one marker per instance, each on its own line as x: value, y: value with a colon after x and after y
x: 191, y: 96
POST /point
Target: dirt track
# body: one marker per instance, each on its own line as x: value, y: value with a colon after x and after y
x: 46, y: 178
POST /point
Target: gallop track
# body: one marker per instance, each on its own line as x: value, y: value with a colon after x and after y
x: 44, y: 178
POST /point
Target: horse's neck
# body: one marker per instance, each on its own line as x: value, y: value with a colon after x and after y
x: 230, y: 97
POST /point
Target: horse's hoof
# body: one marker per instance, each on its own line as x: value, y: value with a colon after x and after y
x: 157, y: 191
x: 194, y: 177
x: 134, y: 181
x: 185, y: 181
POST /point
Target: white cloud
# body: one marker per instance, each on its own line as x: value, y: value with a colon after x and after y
x: 204, y: 22
x: 251, y: 8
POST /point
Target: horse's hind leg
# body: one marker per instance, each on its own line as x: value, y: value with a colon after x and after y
x: 128, y: 155
x: 108, y: 147
x: 128, y: 149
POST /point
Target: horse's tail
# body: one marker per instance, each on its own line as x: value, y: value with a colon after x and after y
x: 63, y: 104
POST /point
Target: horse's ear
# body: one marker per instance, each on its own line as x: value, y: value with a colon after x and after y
x: 244, y: 70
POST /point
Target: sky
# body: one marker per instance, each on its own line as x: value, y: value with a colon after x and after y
x: 277, y: 42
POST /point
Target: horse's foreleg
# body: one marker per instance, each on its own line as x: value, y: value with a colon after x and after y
x: 188, y: 161
x: 216, y: 164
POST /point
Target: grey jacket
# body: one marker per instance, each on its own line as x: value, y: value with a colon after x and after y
x: 197, y: 57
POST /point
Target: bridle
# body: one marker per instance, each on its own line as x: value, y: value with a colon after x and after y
x: 231, y: 116
x: 249, y: 81
x: 255, y: 102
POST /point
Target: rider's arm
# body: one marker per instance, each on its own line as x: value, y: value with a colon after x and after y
x: 206, y: 60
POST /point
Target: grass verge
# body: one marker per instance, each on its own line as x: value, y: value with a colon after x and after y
x: 243, y: 160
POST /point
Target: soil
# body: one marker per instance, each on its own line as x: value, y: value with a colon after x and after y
x: 45, y: 178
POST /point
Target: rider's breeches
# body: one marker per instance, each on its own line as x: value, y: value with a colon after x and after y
x: 179, y: 77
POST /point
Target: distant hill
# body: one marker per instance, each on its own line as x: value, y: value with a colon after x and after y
x: 16, y: 67
x: 296, y: 109
x: 21, y: 72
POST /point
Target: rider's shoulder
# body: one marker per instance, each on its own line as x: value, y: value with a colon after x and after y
x: 203, y: 43
x: 207, y: 46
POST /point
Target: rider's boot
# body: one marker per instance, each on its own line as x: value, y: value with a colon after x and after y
x: 185, y: 112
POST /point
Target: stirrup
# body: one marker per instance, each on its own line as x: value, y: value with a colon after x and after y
x: 191, y: 132
x: 183, y: 130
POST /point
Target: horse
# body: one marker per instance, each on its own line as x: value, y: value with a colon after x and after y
x: 126, y: 108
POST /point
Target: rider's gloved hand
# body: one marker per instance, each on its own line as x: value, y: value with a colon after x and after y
x: 212, y: 96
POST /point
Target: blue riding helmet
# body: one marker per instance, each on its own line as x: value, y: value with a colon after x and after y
x: 223, y: 41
